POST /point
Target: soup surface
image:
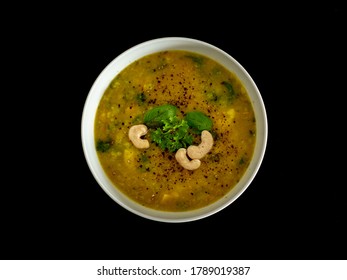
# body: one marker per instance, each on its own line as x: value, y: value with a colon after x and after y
x: 167, y: 87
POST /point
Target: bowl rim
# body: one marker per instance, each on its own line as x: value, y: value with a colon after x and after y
x: 130, y: 55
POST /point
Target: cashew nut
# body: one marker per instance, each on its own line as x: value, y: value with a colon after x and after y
x: 183, y: 160
x: 135, y: 133
x: 197, y: 152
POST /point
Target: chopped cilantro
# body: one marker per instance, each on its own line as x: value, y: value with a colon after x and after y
x: 173, y: 135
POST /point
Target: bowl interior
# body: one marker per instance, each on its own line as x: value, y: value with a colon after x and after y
x: 117, y: 65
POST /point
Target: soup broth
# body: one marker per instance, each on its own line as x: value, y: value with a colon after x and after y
x: 189, y: 82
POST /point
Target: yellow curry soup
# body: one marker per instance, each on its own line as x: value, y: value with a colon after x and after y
x: 189, y: 82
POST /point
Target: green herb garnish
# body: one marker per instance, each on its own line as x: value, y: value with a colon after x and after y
x: 198, y: 121
x: 155, y: 117
x: 170, y: 132
x: 173, y: 135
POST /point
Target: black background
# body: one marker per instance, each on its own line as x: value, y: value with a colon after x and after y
x: 52, y: 207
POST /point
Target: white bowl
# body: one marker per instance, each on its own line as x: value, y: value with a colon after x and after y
x: 117, y: 65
